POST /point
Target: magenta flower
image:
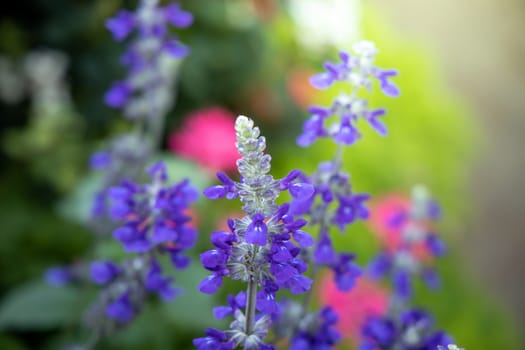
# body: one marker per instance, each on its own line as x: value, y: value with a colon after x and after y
x: 208, y: 138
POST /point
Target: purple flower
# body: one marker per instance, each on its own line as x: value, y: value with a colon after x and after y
x: 358, y: 71
x: 214, y: 340
x: 346, y: 272
x: 58, y: 276
x: 320, y: 333
x: 234, y: 303
x: 211, y: 284
x: 226, y: 190
x: 118, y: 95
x: 402, y: 284
x: 388, y: 88
x: 153, y: 214
x: 155, y: 282
x: 324, y: 253
x: 411, y: 329
x: 100, y: 160
x: 121, y: 309
x: 146, y: 58
x: 435, y: 245
x: 256, y: 231
x: 380, y: 265
x: 121, y: 25
x: 178, y: 17
x: 379, y: 332
x: 103, y: 272
x: 351, y: 207
x: 378, y: 126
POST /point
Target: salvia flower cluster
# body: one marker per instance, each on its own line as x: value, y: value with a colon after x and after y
x: 152, y: 222
x: 262, y: 249
x: 147, y: 90
x: 405, y: 327
x: 339, y: 121
x: 335, y: 203
x: 148, y: 218
x: 419, y: 244
x: 411, y: 329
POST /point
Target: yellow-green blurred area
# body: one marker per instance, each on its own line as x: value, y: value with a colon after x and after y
x: 455, y: 128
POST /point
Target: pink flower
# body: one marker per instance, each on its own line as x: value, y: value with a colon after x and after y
x: 208, y: 138
x: 384, y: 213
x: 366, y: 299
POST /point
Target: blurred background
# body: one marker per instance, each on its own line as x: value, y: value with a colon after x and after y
x: 457, y: 128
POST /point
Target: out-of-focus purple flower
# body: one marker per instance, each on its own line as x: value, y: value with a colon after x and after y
x: 412, y: 329
x: 153, y: 214
x: 346, y: 272
x: 121, y: 309
x: 319, y: 333
x: 214, y: 340
x: 324, y: 253
x: 103, y: 272
x: 358, y: 71
x: 402, y: 284
x: 146, y: 91
x: 100, y: 160
x: 156, y: 282
x: 58, y: 276
x: 121, y: 25
x: 118, y: 94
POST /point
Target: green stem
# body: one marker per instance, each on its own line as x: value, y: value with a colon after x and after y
x: 251, y: 292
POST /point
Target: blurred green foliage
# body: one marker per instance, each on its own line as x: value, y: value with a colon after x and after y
x: 242, y: 62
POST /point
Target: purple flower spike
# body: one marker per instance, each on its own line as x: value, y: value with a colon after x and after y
x: 359, y: 72
x: 121, y: 25
x: 256, y: 231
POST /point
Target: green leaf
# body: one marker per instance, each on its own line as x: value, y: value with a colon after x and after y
x: 39, y: 306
